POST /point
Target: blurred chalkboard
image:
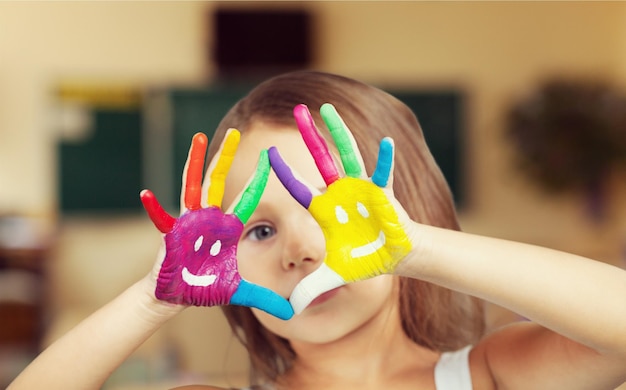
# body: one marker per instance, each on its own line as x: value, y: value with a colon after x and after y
x: 196, y: 110
x: 106, y: 171
x: 102, y: 172
x: 439, y: 113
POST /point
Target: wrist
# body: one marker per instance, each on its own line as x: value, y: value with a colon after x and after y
x: 154, y: 309
x: 417, y: 263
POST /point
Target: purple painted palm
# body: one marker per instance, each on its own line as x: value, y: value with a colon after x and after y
x: 200, y: 263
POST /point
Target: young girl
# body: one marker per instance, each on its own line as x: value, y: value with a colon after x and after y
x: 386, y: 288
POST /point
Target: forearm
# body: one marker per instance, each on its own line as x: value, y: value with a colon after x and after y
x: 89, y: 353
x: 577, y: 297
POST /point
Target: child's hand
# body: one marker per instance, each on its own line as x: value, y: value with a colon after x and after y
x: 364, y: 236
x: 199, y: 265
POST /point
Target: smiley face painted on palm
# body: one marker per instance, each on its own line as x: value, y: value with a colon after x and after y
x: 200, y: 263
x: 364, y: 237
x: 200, y: 266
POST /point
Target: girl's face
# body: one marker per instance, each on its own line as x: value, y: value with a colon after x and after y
x: 282, y: 243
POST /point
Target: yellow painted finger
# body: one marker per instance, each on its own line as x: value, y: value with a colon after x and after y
x: 220, y: 171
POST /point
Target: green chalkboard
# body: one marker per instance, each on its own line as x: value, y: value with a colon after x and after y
x: 196, y: 110
x: 440, y: 114
x: 102, y: 172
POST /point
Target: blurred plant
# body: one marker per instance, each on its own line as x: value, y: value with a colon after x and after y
x: 570, y: 134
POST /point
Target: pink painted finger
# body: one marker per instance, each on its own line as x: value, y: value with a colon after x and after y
x: 316, y: 144
x: 195, y: 166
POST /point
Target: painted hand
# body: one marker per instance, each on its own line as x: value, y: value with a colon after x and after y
x: 199, y: 265
x: 364, y: 236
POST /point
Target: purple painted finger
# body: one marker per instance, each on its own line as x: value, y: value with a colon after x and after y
x: 316, y: 144
x: 296, y: 188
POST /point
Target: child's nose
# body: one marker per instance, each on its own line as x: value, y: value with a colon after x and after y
x: 305, y: 246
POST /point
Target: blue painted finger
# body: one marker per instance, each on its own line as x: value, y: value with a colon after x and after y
x: 384, y: 163
x: 252, y: 295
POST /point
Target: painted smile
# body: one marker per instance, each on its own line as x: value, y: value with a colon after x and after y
x: 369, y: 248
x: 198, y: 280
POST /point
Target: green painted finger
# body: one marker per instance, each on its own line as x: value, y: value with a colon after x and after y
x: 339, y: 132
x: 252, y: 194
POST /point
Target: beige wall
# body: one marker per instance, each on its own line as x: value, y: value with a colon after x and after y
x: 494, y: 51
x: 42, y: 42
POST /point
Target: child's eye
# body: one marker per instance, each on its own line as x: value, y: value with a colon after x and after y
x: 261, y: 232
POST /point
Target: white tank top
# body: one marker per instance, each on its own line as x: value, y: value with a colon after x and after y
x: 452, y: 371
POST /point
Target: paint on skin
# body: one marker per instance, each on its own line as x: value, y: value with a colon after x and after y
x: 175, y: 285
x: 200, y: 264
x: 367, y: 239
x: 364, y: 237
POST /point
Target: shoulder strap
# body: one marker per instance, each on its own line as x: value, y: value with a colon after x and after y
x: 452, y: 371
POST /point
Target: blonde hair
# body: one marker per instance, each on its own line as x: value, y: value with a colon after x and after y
x: 432, y: 316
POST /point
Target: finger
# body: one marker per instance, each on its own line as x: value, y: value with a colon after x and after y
x: 220, y: 171
x: 161, y: 219
x: 346, y: 145
x: 298, y: 190
x: 384, y: 165
x: 206, y: 184
x: 192, y: 175
x: 313, y: 285
x: 254, y: 189
x: 253, y: 295
x: 316, y: 144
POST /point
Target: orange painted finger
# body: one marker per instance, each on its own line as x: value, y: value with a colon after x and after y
x: 195, y: 167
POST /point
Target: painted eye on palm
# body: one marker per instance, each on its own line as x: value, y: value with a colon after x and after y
x: 364, y: 237
x: 200, y: 266
x: 200, y: 263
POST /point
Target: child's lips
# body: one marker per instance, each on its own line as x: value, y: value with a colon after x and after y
x: 325, y: 297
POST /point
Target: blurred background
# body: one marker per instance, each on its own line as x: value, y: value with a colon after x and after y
x: 522, y: 104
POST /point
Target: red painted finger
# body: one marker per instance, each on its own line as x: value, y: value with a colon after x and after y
x: 161, y: 219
